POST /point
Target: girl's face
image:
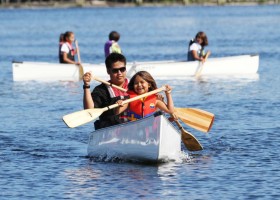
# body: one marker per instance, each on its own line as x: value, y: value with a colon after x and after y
x: 71, y: 38
x: 199, y: 40
x: 140, y: 85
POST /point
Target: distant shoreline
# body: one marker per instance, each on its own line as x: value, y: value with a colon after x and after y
x: 140, y: 3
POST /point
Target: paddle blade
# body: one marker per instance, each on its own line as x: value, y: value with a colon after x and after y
x: 190, y: 142
x: 196, y: 118
x: 81, y: 117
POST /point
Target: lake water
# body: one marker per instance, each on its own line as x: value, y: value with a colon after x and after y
x: 41, y: 158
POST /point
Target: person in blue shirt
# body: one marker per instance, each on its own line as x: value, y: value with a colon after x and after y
x: 112, y: 46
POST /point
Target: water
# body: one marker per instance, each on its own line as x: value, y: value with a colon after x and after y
x: 41, y: 158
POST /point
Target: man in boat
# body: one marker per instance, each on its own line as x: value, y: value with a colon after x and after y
x: 104, y: 95
x: 112, y: 46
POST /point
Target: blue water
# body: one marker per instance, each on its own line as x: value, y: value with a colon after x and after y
x: 40, y: 158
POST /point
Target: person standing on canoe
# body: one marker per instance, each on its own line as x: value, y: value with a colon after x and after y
x: 141, y: 83
x: 112, y: 46
x: 104, y: 95
x: 67, y: 52
x: 196, y: 47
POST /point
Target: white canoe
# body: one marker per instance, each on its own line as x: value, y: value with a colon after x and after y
x: 233, y: 65
x: 152, y: 139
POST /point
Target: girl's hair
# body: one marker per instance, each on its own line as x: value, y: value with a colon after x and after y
x: 203, y: 36
x: 147, y: 77
x: 67, y: 34
x: 61, y: 37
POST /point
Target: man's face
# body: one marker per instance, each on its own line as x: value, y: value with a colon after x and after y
x: 117, y: 73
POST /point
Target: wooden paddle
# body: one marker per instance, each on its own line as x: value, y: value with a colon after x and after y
x: 190, y: 142
x: 84, y: 116
x: 196, y: 118
x: 81, y: 69
x: 201, y: 65
x: 132, y: 70
x: 193, y: 117
x: 108, y: 83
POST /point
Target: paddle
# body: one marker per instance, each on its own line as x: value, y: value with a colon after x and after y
x: 84, y: 116
x: 196, y: 118
x: 108, y: 83
x: 81, y: 69
x: 190, y: 142
x: 132, y: 69
x: 193, y: 117
x: 201, y: 65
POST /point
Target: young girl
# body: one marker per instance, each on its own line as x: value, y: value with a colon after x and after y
x: 67, y: 52
x: 142, y: 82
x: 196, y: 47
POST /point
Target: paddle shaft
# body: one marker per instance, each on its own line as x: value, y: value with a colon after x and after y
x: 78, y: 51
x: 108, y: 83
x: 201, y: 64
x: 131, y: 70
x: 81, y: 69
x: 136, y: 98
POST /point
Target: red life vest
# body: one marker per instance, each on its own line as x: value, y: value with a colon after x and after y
x: 141, y: 108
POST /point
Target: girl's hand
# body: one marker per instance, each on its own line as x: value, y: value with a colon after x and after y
x: 168, y: 89
x: 160, y: 97
x: 173, y: 117
x: 120, y: 102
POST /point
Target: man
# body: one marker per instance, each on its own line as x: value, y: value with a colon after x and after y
x: 103, y: 95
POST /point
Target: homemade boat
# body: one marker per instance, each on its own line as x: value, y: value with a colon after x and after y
x: 152, y: 139
x: 233, y: 65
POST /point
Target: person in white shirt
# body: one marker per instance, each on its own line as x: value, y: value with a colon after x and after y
x: 196, y: 47
x: 67, y: 52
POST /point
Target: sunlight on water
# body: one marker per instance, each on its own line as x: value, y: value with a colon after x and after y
x: 42, y: 158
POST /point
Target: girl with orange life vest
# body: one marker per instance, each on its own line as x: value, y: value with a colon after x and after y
x: 142, y: 82
x: 67, y: 52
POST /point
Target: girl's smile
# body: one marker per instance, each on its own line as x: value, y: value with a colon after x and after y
x: 140, y: 85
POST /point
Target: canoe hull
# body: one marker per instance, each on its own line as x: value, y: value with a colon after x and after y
x: 247, y: 64
x: 153, y: 139
x: 28, y: 71
x: 234, y: 65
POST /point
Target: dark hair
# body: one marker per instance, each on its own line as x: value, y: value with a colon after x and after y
x: 67, y: 35
x: 61, y: 37
x: 112, y: 58
x: 147, y: 77
x: 114, y: 35
x: 203, y: 36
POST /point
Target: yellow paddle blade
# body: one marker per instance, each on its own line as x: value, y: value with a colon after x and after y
x: 81, y: 72
x: 196, y: 118
x: 82, y: 117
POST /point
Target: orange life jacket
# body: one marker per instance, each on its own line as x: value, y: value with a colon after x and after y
x: 141, y: 108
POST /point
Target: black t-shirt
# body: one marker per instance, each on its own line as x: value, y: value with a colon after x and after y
x: 101, y: 98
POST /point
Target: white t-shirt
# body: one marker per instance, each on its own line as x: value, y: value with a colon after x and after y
x: 65, y: 48
x: 195, y: 46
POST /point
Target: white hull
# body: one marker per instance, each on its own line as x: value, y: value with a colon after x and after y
x: 246, y: 64
x: 234, y: 65
x: 152, y: 139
